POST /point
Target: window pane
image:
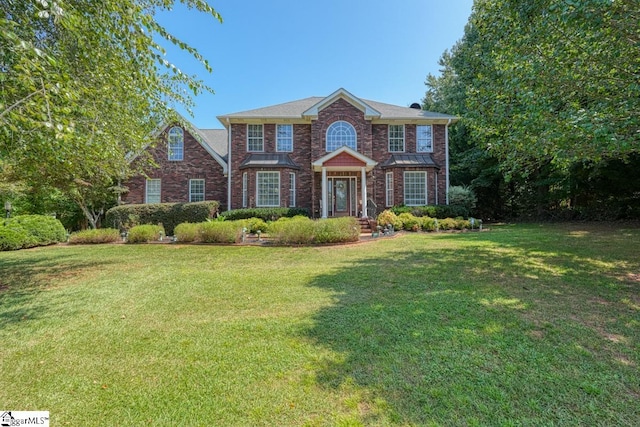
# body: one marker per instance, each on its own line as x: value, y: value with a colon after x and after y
x: 340, y: 134
x: 196, y: 190
x: 415, y: 188
x: 153, y: 191
x: 284, y: 137
x: 244, y: 189
x: 176, y: 144
x: 254, y: 138
x: 396, y: 138
x: 425, y: 138
x: 268, y: 189
x: 292, y: 189
x: 389, y: 185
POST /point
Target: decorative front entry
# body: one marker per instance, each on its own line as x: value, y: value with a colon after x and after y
x: 342, y: 196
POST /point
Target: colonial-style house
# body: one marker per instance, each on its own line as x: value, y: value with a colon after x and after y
x: 336, y: 155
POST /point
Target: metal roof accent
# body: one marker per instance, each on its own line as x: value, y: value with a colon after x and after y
x: 404, y: 160
x: 268, y: 160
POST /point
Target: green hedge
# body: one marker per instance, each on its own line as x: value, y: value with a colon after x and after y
x: 101, y: 235
x: 265, y: 214
x: 145, y: 233
x: 437, y: 211
x: 302, y: 230
x: 27, y: 231
x: 168, y: 214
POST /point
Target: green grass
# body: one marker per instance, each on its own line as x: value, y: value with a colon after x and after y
x: 522, y: 325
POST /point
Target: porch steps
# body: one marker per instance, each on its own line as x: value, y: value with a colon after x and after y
x: 365, y: 226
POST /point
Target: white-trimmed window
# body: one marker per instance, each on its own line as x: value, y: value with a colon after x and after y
x: 284, y: 138
x: 292, y: 189
x: 267, y: 189
x: 415, y: 188
x: 245, y: 178
x: 152, y: 191
x: 196, y: 190
x: 339, y: 134
x: 389, y: 188
x: 424, y: 137
x: 396, y: 138
x: 176, y: 144
x: 255, y: 138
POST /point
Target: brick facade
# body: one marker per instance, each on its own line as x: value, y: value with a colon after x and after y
x: 309, y: 121
x: 197, y: 163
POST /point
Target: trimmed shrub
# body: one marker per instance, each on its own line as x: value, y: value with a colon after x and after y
x: 437, y: 211
x: 219, y: 232
x: 462, y: 224
x: 27, y: 231
x: 388, y: 217
x: 168, y: 214
x: 145, y: 233
x: 303, y: 231
x: 187, y: 232
x: 409, y: 222
x: 101, y: 235
x: 447, y: 224
x: 265, y: 214
x: 44, y: 228
x: 337, y: 230
x: 298, y: 230
x: 12, y: 239
x: 427, y: 223
x: 254, y: 224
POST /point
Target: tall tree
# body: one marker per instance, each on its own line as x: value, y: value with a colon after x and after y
x: 553, y: 81
x: 76, y: 99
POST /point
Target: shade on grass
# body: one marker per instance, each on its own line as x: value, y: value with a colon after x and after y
x: 522, y: 325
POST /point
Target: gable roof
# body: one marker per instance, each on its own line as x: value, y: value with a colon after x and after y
x: 369, y: 113
x: 305, y: 109
x: 367, y: 162
x: 210, y: 139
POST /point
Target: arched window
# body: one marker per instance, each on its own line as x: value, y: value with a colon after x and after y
x: 176, y: 143
x: 341, y: 133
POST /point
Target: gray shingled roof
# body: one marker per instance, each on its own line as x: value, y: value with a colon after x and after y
x: 294, y: 110
x: 409, y: 160
x: 217, y: 139
x: 268, y: 160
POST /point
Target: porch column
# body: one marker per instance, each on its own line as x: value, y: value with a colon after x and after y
x: 364, y: 192
x: 325, y: 206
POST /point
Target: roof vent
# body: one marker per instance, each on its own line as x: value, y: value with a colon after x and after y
x: 416, y: 106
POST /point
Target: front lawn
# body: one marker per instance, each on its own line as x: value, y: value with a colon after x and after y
x: 521, y: 325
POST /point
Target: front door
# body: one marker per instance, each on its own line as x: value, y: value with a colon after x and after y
x: 342, y: 195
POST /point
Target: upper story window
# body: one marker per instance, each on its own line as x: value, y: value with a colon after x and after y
x: 396, y: 138
x: 341, y: 133
x: 284, y: 138
x: 176, y: 143
x: 424, y: 137
x: 255, y: 138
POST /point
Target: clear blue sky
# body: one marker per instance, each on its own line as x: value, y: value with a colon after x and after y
x: 268, y: 52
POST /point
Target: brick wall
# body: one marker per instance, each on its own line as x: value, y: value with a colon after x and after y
x: 197, y: 163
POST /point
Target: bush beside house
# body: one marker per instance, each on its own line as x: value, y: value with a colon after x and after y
x: 27, y: 231
x: 168, y: 214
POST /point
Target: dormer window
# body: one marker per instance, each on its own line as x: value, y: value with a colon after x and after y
x: 176, y: 144
x: 341, y: 134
